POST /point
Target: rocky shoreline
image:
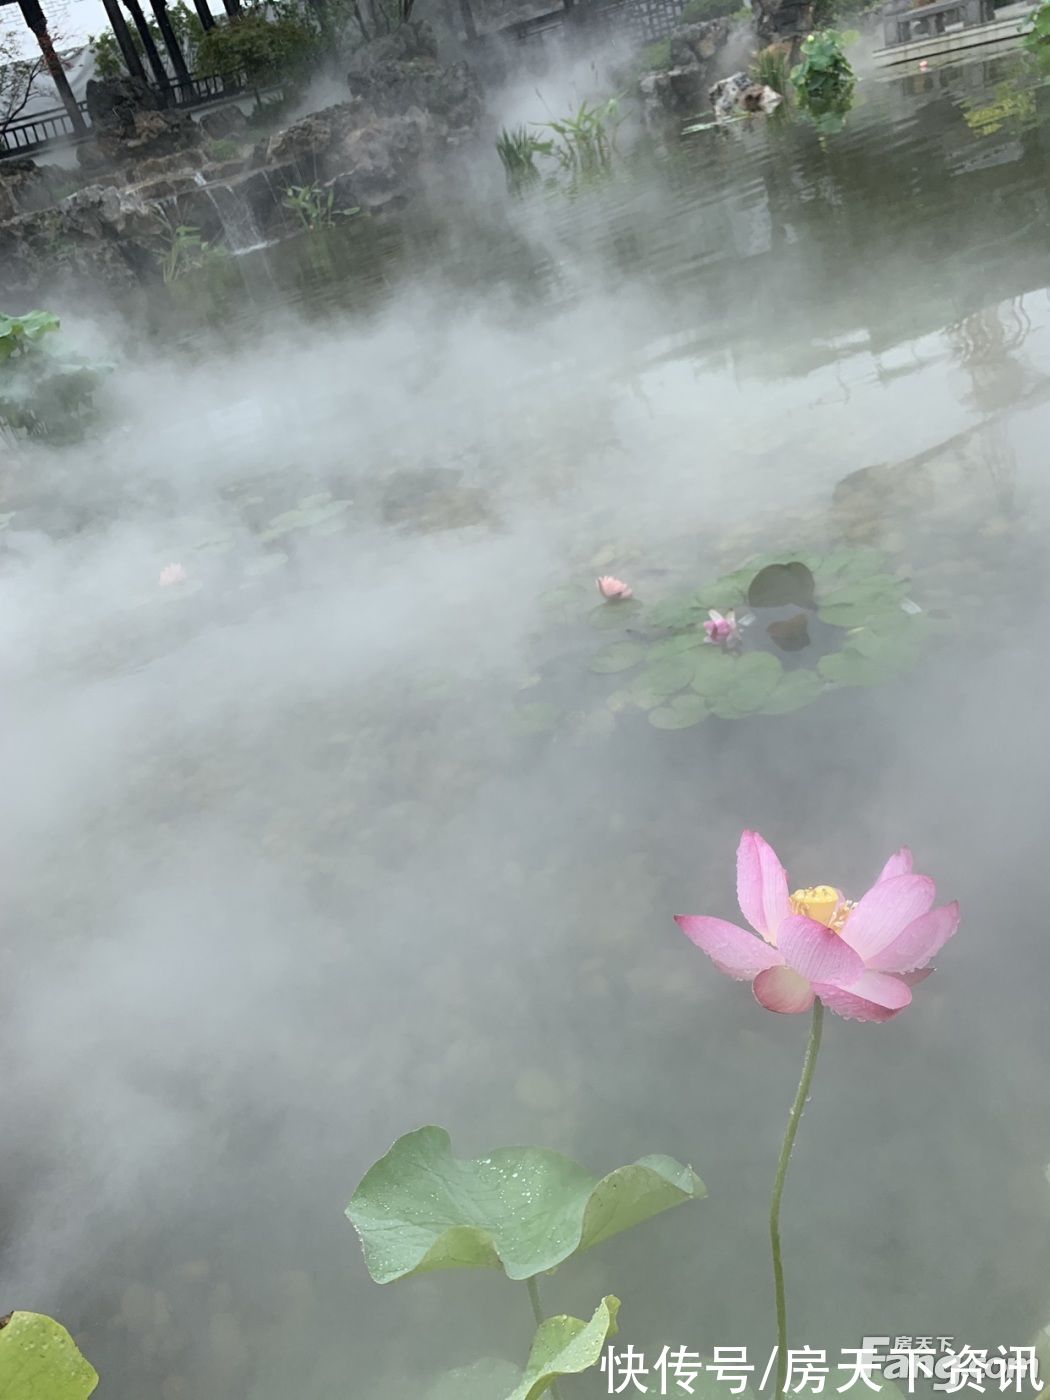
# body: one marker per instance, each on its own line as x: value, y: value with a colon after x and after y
x: 145, y: 172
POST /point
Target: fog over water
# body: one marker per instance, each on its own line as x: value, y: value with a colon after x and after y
x: 283, y: 880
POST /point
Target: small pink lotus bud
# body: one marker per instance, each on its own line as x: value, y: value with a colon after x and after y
x: 614, y: 590
x: 172, y: 573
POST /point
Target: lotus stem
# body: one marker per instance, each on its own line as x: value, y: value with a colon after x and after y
x: 537, y: 1312
x: 809, y: 1064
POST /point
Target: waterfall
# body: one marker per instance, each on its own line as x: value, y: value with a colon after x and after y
x: 235, y: 214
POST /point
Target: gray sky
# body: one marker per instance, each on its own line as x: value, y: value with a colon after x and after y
x: 71, y: 21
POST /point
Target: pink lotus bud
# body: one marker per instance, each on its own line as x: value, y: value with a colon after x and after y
x: 923, y: 66
x: 614, y: 590
x: 172, y: 573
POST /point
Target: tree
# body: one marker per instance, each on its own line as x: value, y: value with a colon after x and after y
x: 17, y: 77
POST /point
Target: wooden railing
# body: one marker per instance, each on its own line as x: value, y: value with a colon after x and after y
x: 55, y: 126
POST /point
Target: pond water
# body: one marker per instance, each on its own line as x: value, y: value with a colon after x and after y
x: 286, y: 879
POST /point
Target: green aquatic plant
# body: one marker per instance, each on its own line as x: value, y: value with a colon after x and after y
x: 1036, y: 30
x: 517, y: 149
x: 771, y: 66
x: 823, y: 78
x: 39, y: 1360
x: 185, y: 250
x: 315, y: 206
x: 46, y: 390
x: 584, y: 142
x: 817, y: 623
x: 522, y: 1210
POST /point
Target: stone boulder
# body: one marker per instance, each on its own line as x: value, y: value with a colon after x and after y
x: 99, y: 234
x: 402, y: 70
x: 24, y: 187
x: 783, y: 19
x: 374, y: 159
x: 681, y: 90
x: 128, y: 126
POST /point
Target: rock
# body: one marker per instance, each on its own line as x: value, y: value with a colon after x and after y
x: 24, y: 186
x: 680, y: 90
x: 782, y: 19
x: 107, y: 236
x: 220, y: 125
x: 377, y: 158
x: 129, y: 127
x: 402, y: 70
x: 739, y: 95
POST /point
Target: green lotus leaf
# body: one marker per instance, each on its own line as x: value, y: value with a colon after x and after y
x: 642, y: 694
x: 713, y: 671
x: 848, y: 564
x: 675, y: 613
x: 851, y: 667
x: 569, y: 602
x: 522, y: 1209
x: 538, y: 718
x: 215, y: 544
x: 565, y: 1346
x: 614, y: 614
x: 854, y: 603
x: 264, y: 564
x: 682, y: 713
x: 782, y: 585
x: 39, y: 1360
x: 675, y: 646
x: 618, y: 656
x: 303, y: 518
x: 669, y: 674
x: 753, y: 680
x: 794, y: 691
x: 729, y: 591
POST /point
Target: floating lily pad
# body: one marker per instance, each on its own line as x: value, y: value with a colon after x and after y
x: 537, y: 718
x: 522, y: 1209
x: 568, y: 603
x: 565, y: 1346
x: 857, y: 602
x: 845, y: 564
x: 752, y: 681
x: 676, y: 613
x: 682, y: 713
x: 618, y: 656
x: 215, y: 544
x: 265, y: 564
x: 669, y: 674
x: 304, y: 517
x: 614, y: 613
x: 793, y: 691
x: 39, y: 1360
x: 713, y: 671
x: 675, y: 646
x: 783, y: 585
x: 729, y: 591
x: 851, y: 667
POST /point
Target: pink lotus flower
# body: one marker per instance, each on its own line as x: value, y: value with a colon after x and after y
x: 923, y: 66
x: 723, y: 631
x: 861, y: 960
x: 613, y: 589
x: 172, y: 573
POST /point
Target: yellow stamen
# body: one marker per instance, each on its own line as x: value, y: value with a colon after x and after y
x: 822, y: 903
